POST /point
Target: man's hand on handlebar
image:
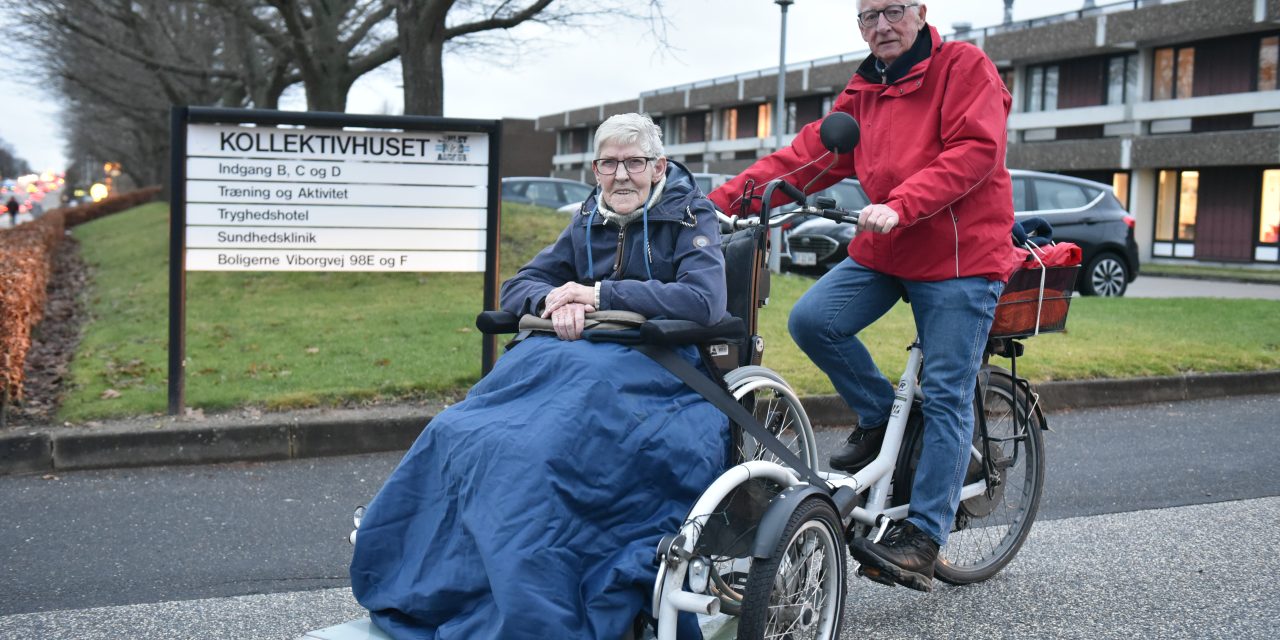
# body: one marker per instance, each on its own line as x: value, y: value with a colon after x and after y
x: 878, y: 218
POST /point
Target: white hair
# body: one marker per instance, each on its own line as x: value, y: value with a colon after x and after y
x: 631, y: 128
x: 862, y: 3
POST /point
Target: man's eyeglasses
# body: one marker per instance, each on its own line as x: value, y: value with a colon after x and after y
x: 609, y: 166
x: 892, y: 13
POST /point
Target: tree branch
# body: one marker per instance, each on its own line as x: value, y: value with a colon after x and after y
x: 496, y: 22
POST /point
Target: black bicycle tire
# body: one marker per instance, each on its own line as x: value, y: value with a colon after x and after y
x: 1018, y: 398
x: 752, y: 623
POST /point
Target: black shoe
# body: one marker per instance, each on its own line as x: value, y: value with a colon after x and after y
x: 904, y: 556
x: 859, y: 449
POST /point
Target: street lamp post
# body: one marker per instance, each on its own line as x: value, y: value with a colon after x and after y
x: 780, y: 113
x: 779, y: 125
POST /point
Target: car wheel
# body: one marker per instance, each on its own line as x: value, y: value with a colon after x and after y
x: 1106, y: 275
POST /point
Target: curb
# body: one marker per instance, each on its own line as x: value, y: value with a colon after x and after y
x: 78, y: 448
x: 831, y: 411
x: 1215, y: 278
x: 44, y: 450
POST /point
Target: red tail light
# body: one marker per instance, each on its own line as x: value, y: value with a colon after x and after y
x: 1128, y: 220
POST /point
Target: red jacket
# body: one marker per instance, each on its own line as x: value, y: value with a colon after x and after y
x: 933, y: 149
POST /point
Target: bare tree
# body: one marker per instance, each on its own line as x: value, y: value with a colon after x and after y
x: 330, y: 42
x: 121, y: 64
x: 10, y: 164
x: 427, y: 28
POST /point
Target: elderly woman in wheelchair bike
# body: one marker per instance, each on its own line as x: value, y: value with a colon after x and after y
x: 532, y: 508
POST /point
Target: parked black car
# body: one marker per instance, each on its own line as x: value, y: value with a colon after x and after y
x: 1081, y: 211
x: 815, y: 244
x: 544, y: 192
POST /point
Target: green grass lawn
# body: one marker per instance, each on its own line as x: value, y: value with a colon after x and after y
x: 288, y: 340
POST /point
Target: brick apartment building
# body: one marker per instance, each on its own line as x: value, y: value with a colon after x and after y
x: 1173, y: 103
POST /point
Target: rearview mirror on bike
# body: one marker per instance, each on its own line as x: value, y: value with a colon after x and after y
x: 840, y: 133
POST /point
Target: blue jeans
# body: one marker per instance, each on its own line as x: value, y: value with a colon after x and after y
x: 953, y: 318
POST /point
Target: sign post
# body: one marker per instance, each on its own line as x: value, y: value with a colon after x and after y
x: 256, y: 190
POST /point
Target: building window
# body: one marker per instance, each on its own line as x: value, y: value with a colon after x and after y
x: 1186, y: 72
x: 671, y: 132
x: 802, y: 111
x: 1174, y: 74
x: 1269, y: 214
x: 1122, y: 78
x: 1166, y: 205
x: 572, y: 141
x: 1007, y: 76
x: 1177, y: 197
x: 729, y: 124
x: 1188, y: 199
x: 1042, y: 83
x: 1268, y: 54
x: 746, y: 121
x: 1120, y: 186
x: 688, y: 127
x: 764, y: 121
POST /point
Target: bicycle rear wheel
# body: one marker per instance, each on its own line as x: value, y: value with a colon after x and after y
x: 991, y: 527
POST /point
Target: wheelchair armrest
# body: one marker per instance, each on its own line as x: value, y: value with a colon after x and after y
x: 490, y: 322
x: 675, y: 332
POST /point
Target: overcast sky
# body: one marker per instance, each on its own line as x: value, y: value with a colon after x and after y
x: 568, y: 69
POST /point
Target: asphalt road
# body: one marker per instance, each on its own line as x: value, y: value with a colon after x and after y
x: 259, y: 550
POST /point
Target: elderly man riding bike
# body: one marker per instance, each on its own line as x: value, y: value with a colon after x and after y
x: 931, y: 159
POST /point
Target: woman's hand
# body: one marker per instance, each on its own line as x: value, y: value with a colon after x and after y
x: 569, y: 293
x: 568, y: 320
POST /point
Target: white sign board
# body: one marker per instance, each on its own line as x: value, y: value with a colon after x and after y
x: 261, y: 198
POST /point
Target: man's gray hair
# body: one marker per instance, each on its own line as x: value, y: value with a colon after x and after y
x: 631, y: 128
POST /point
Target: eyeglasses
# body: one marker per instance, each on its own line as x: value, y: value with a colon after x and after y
x: 609, y: 166
x: 892, y: 13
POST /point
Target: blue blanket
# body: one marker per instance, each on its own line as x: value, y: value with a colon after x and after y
x: 532, y: 509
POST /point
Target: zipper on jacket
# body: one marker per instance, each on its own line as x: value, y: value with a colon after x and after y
x: 955, y: 229
x: 617, y: 263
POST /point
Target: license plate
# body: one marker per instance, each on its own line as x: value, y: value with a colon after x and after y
x: 804, y: 258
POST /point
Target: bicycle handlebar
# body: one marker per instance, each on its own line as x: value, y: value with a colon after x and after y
x: 831, y: 213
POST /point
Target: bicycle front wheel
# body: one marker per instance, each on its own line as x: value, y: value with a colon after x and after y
x: 799, y: 591
x: 991, y: 527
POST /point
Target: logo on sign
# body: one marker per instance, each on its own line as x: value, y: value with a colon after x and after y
x: 453, y: 149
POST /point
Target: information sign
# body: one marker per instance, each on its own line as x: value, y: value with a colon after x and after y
x: 325, y: 199
x: 258, y: 190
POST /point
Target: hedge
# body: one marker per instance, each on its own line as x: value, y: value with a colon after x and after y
x: 26, y: 261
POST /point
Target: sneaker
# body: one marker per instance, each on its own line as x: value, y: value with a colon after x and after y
x: 859, y: 449
x: 905, y: 556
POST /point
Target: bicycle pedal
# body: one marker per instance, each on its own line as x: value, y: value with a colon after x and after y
x: 876, y: 575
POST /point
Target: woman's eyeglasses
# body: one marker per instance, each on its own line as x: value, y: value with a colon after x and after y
x: 609, y: 166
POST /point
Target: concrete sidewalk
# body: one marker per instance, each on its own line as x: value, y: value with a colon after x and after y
x: 256, y: 437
